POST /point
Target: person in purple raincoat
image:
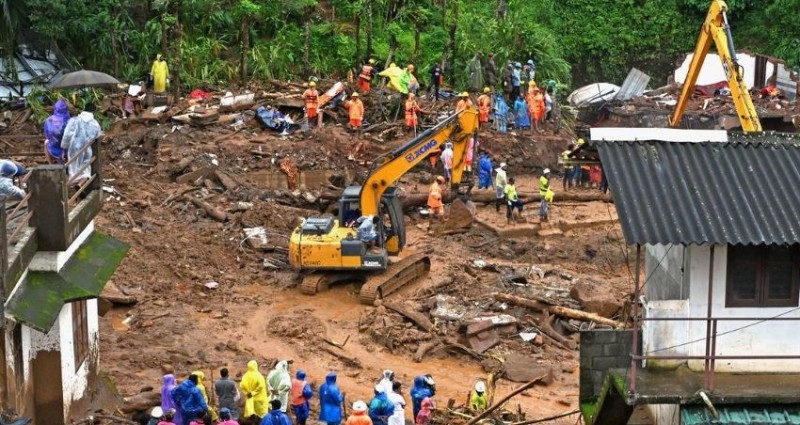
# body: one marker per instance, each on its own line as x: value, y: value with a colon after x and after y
x: 54, y: 130
x: 167, y: 402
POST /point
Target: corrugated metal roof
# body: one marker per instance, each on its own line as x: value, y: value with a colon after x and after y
x: 738, y: 192
x: 759, y: 414
x: 634, y: 85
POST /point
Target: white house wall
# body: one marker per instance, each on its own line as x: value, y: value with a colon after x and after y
x: 659, y: 336
x: 765, y: 338
x: 712, y: 71
x: 74, y: 383
x: 757, y: 338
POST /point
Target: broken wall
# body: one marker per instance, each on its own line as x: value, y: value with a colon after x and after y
x: 602, y: 350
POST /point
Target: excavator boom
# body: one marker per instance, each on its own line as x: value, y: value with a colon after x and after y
x: 330, y: 247
x: 459, y: 128
x: 717, y: 30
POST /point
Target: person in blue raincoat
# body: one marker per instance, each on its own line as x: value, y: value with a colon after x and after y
x: 276, y: 415
x: 485, y: 172
x: 189, y: 399
x: 380, y: 408
x: 330, y: 401
x: 418, y: 392
x: 500, y: 113
x: 521, y: 118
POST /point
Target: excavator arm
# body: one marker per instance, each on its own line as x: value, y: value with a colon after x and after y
x: 459, y: 128
x: 717, y: 30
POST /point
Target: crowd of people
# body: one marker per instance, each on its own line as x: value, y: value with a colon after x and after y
x: 278, y: 399
x: 530, y: 107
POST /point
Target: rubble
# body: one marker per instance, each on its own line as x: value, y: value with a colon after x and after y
x: 216, y: 204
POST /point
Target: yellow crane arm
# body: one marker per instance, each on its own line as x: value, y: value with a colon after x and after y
x: 459, y: 127
x: 716, y: 29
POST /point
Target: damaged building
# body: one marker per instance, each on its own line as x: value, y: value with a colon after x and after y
x: 631, y: 105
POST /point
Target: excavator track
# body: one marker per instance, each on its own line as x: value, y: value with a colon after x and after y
x: 320, y: 281
x: 394, y: 277
x: 313, y: 283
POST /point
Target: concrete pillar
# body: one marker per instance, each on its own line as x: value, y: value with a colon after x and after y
x: 49, y: 197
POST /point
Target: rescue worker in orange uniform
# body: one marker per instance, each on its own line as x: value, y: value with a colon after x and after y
x: 536, y: 106
x: 464, y: 102
x: 484, y: 106
x: 435, y: 197
x: 356, y: 108
x: 359, y: 416
x: 298, y: 397
x: 412, y: 107
x: 311, y: 97
x: 365, y: 76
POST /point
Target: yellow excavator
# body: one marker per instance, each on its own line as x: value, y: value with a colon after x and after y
x: 717, y: 29
x: 327, y: 249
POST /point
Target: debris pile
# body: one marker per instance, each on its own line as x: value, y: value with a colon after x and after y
x: 490, y: 311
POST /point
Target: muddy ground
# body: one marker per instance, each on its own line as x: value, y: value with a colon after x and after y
x: 206, y: 299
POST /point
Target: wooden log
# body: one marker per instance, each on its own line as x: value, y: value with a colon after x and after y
x: 210, y: 211
x: 229, y: 182
x: 561, y: 311
x: 418, y: 318
x: 341, y: 355
x: 503, y: 400
x: 424, y: 349
x: 182, y: 164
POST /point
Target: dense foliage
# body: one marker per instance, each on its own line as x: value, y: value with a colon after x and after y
x: 232, y: 41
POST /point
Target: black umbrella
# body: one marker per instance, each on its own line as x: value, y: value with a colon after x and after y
x: 83, y: 78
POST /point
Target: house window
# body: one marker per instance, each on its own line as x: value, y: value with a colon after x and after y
x: 80, y: 332
x: 763, y: 276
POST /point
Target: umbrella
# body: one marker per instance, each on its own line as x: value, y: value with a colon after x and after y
x: 83, y: 78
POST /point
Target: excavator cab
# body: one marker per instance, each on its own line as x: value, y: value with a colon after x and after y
x: 389, y: 221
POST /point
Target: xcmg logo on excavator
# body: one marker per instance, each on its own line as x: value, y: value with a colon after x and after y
x: 422, y: 150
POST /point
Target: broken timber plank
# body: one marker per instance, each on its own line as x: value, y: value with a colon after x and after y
x: 210, y: 211
x: 196, y: 174
x: 418, y: 318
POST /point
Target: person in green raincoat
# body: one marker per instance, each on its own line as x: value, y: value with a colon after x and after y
x: 475, y: 73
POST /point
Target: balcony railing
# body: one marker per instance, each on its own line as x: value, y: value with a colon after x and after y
x: 50, y: 216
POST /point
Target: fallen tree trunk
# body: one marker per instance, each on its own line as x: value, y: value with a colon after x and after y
x: 488, y: 197
x: 558, y: 310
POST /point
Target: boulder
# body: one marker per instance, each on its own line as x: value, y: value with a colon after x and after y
x: 595, y: 298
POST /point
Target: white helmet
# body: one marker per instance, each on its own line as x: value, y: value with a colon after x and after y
x: 157, y: 412
x: 359, y: 406
x: 480, y: 387
x: 546, y: 171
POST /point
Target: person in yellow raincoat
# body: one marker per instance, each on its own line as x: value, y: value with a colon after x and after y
x: 159, y: 73
x: 395, y: 75
x: 200, y: 376
x: 254, y: 388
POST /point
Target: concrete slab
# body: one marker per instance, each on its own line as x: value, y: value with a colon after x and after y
x: 681, y: 385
